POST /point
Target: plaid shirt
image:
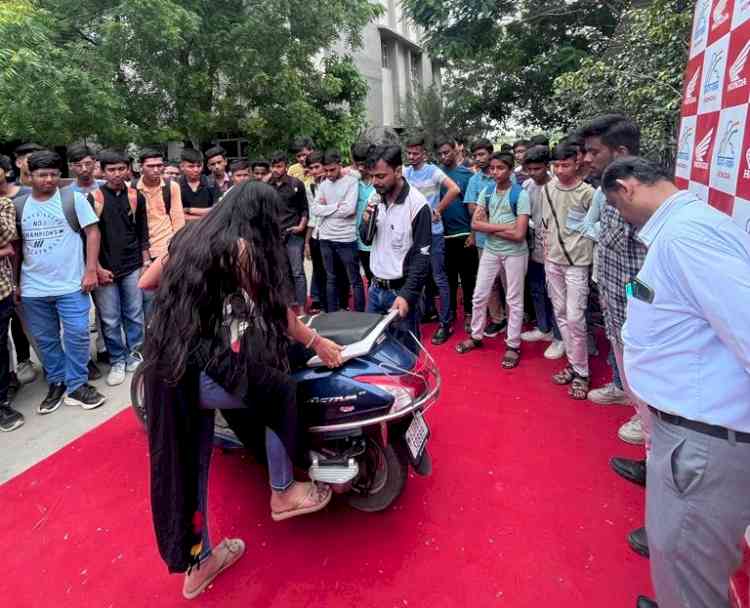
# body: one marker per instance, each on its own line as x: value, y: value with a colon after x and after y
x: 7, y: 235
x: 620, y: 257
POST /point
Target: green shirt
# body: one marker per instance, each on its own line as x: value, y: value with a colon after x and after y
x: 500, y: 212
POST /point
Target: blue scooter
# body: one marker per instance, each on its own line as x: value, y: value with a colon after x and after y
x: 364, y: 421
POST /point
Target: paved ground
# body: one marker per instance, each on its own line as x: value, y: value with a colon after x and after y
x: 44, y: 435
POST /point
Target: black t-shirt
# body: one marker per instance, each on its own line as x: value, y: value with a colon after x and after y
x: 202, y: 198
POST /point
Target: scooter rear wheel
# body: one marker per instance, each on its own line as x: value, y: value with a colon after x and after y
x: 136, y: 396
x: 386, y: 481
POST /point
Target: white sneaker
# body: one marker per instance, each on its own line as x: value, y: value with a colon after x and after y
x: 632, y: 431
x: 608, y: 395
x: 116, y: 374
x: 537, y: 335
x: 26, y: 372
x: 556, y: 350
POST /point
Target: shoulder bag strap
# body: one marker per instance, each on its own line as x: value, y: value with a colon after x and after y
x: 557, y: 223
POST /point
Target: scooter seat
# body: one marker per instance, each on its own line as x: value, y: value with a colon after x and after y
x: 345, y: 327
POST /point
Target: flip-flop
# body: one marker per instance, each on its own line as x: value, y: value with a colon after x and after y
x: 321, y: 495
x: 234, y: 549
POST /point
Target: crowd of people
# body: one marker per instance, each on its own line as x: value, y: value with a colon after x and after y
x: 500, y: 237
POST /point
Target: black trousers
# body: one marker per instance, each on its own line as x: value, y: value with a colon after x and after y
x: 20, y: 341
x: 463, y: 262
x: 319, y: 277
x: 6, y: 310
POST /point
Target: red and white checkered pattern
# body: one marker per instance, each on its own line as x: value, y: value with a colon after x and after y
x: 713, y: 152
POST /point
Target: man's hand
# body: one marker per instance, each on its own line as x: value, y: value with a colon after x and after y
x: 402, y: 306
x: 296, y: 229
x: 436, y: 217
x: 471, y: 241
x: 328, y: 351
x: 90, y: 281
x: 368, y: 211
x: 104, y: 276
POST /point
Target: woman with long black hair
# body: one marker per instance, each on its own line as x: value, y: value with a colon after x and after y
x: 218, y: 339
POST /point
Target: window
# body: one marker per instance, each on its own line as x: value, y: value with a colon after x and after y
x: 385, y: 56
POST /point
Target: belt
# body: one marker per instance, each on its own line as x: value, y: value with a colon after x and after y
x: 389, y: 283
x: 701, y: 427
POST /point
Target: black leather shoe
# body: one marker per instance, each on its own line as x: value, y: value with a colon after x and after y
x: 442, y: 334
x: 638, y: 542
x: 644, y: 602
x: 632, y: 470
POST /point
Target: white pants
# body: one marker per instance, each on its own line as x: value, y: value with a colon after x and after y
x: 568, y: 288
x: 512, y: 271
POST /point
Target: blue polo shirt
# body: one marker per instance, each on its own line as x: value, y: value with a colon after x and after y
x: 478, y: 182
x: 456, y: 219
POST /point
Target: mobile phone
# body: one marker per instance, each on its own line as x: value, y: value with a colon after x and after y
x: 635, y: 288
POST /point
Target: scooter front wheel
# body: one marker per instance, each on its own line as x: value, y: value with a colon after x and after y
x: 383, y: 476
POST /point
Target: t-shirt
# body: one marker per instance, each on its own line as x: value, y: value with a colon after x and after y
x: 201, y: 198
x: 75, y: 187
x: 571, y: 205
x: 427, y: 180
x: 478, y: 182
x: 365, y: 192
x: 456, y: 218
x: 53, y: 262
x: 500, y: 212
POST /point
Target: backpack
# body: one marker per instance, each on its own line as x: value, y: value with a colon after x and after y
x: 515, y: 194
x: 98, y: 198
x: 68, y: 198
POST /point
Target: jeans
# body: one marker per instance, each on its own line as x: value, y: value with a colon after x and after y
x: 44, y: 317
x: 461, y: 261
x: 149, y: 295
x: 120, y: 306
x: 569, y: 291
x: 295, y: 250
x: 347, y: 254
x: 380, y: 301
x: 6, y: 312
x: 545, y: 315
x: 440, y: 277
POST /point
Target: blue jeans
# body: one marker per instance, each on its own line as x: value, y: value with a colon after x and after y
x: 545, y: 315
x: 380, y: 301
x: 440, y: 277
x: 149, y: 295
x: 120, y: 305
x: 295, y: 252
x: 347, y: 253
x: 44, y: 316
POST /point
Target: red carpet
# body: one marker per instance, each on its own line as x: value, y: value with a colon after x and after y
x: 521, y: 511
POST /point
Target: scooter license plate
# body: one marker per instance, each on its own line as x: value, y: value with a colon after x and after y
x: 416, y: 436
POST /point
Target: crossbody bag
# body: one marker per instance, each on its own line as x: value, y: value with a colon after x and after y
x: 557, y: 224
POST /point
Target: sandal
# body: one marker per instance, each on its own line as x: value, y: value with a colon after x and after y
x: 226, y: 554
x: 565, y: 376
x: 317, y: 497
x: 511, y: 358
x: 579, y: 388
x: 466, y: 345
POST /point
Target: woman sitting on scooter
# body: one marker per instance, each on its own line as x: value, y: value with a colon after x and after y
x: 218, y: 339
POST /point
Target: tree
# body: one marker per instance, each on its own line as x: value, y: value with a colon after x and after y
x: 627, y: 76
x: 152, y: 70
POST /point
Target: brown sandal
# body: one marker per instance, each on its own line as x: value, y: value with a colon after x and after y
x: 317, y: 497
x: 579, y: 388
x: 466, y: 345
x: 564, y: 376
x: 226, y: 553
x: 511, y: 358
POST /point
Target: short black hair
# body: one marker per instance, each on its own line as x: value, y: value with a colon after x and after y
x: 564, y: 151
x: 77, y: 152
x: 615, y: 130
x: 332, y: 157
x: 360, y: 151
x: 521, y: 142
x: 191, y: 155
x: 147, y: 153
x: 482, y: 144
x: 173, y: 163
x: 645, y: 171
x: 444, y: 140
x: 506, y: 148
x: 388, y: 153
x: 300, y: 143
x: 25, y: 149
x: 215, y: 151
x: 279, y: 157
x: 540, y: 139
x: 415, y: 139
x: 44, y: 159
x: 461, y: 138
x: 315, y: 158
x: 506, y: 158
x: 239, y: 165
x: 260, y: 163
x: 111, y: 157
x: 537, y: 154
x: 5, y: 164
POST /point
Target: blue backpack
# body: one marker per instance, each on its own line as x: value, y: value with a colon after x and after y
x: 515, y: 194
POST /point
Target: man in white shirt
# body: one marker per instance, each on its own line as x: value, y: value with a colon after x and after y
x: 687, y: 355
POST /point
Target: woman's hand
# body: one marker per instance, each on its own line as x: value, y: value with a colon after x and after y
x: 328, y: 351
